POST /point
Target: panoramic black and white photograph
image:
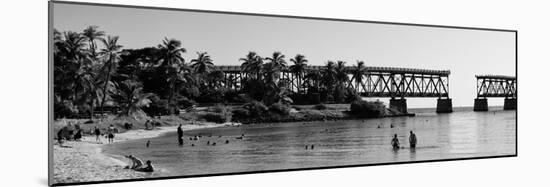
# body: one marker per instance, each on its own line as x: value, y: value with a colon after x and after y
x: 144, y: 93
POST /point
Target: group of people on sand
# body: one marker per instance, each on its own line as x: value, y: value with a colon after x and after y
x: 412, y: 141
x: 110, y: 133
x: 69, y: 132
x: 137, y: 164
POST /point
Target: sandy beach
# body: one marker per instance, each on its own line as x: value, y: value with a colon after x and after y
x: 84, y: 161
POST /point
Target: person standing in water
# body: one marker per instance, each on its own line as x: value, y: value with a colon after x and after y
x: 180, y: 135
x: 412, y: 140
x: 395, y: 142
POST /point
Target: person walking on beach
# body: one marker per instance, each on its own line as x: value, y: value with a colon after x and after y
x: 412, y: 140
x: 111, y: 133
x: 395, y: 142
x: 97, y: 133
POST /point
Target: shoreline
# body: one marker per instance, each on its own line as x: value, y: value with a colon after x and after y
x: 317, y: 119
x: 85, y: 161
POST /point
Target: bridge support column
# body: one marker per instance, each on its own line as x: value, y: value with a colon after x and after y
x: 481, y: 105
x: 510, y: 103
x: 399, y: 104
x: 444, y: 105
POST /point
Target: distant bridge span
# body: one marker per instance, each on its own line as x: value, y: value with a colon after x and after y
x: 496, y: 86
x: 395, y: 83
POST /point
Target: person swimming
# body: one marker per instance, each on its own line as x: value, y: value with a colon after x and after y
x: 226, y: 141
x: 412, y: 140
x: 395, y: 142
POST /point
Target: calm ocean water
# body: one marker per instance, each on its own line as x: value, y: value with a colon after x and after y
x: 460, y: 134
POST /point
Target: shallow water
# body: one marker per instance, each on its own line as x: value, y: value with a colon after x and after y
x: 460, y: 134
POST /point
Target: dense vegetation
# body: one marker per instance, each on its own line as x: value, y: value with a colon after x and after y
x: 92, y: 72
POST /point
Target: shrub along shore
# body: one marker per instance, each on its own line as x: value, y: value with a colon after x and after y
x: 256, y: 113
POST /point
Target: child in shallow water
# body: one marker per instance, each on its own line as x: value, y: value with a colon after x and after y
x: 148, y: 167
x: 136, y: 162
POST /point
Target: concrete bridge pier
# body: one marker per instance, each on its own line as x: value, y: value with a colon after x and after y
x: 444, y: 105
x: 399, y: 104
x: 510, y: 103
x: 480, y: 104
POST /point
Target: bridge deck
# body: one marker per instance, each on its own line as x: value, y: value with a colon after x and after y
x: 505, y: 77
x: 395, y: 70
x: 496, y: 86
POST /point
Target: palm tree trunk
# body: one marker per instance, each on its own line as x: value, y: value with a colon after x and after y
x: 92, y: 109
x: 105, y: 88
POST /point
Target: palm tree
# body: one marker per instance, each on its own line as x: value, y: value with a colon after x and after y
x: 270, y: 71
x: 329, y: 75
x: 341, y: 74
x: 76, y: 69
x: 173, y: 64
x: 358, y: 71
x: 252, y: 64
x: 177, y: 74
x: 313, y: 78
x: 203, y: 63
x: 129, y: 96
x: 275, y: 64
x: 92, y: 34
x: 299, y: 68
x: 277, y: 59
x: 111, y: 54
x: 341, y: 80
x: 171, y: 52
x: 73, y: 45
x: 57, y: 40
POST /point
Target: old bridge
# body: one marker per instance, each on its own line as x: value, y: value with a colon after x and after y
x: 495, y: 86
x: 394, y: 83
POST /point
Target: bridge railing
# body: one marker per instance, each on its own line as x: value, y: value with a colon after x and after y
x: 496, y: 86
x: 376, y: 82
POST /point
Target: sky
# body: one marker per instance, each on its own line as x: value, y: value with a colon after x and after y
x: 229, y: 37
